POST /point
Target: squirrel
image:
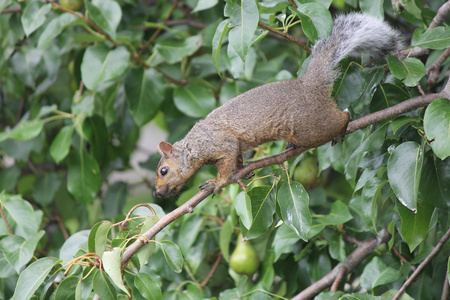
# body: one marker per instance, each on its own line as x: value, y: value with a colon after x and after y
x: 300, y: 111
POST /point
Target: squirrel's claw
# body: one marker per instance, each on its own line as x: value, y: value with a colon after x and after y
x: 210, y: 184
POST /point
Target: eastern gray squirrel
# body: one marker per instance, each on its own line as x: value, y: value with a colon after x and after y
x: 300, y: 111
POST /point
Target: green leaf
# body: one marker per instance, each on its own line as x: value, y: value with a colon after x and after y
x: 217, y: 41
x: 316, y: 20
x: 74, y: 243
x: 45, y: 188
x: 66, y: 288
x: 147, y: 287
x: 19, y: 251
x: 403, y: 170
x: 411, y: 70
x: 189, y: 230
x: 83, y: 108
x: 387, y: 95
x: 27, y: 130
x: 243, y: 206
x: 204, y: 5
x: 434, y: 181
x: 106, y: 14
x: 376, y: 273
x: 20, y: 214
x: 149, y: 249
x: 103, y: 286
x: 226, y: 232
x: 32, y: 277
x: 339, y: 214
x: 144, y: 89
x: 34, y: 16
x: 194, y: 100
x: 173, y: 255
x: 95, y: 131
x: 435, y: 38
x: 83, y: 178
x: 9, y: 178
x: 173, y: 51
x: 337, y: 247
x: 115, y: 199
x: 263, y: 208
x: 415, y: 226
x: 367, y: 204
x: 436, y: 123
x: 373, y: 7
x: 293, y: 201
x: 284, y: 239
x: 61, y: 144
x: 112, y: 265
x: 243, y: 23
x: 100, y: 235
x: 372, y: 77
x: 373, y: 142
x: 54, y: 29
x: 100, y: 64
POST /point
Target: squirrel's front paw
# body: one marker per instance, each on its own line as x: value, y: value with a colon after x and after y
x: 211, y: 184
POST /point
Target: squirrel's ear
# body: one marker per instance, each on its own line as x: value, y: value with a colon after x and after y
x: 165, y: 149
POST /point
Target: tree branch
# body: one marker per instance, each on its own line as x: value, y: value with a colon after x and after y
x: 361, y: 252
x: 437, y: 20
x: 279, y: 159
x: 433, y: 70
x: 422, y: 265
x: 285, y: 35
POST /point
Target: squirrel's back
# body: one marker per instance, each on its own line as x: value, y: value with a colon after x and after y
x: 301, y: 110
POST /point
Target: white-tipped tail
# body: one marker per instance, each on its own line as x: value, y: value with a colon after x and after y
x: 354, y: 34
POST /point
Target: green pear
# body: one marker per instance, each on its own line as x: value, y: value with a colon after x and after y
x: 244, y: 259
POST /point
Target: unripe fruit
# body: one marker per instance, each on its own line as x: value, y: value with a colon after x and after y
x: 307, y: 172
x: 72, y: 4
x: 244, y: 259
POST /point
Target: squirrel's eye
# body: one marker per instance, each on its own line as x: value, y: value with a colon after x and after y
x: 163, y: 171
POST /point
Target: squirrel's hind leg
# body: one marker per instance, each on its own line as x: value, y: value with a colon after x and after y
x: 341, y: 135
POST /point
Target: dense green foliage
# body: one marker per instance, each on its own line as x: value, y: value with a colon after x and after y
x: 76, y: 88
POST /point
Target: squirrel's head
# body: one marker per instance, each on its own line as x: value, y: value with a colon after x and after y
x: 169, y: 179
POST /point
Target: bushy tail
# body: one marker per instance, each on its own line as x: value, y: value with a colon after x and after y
x: 353, y: 34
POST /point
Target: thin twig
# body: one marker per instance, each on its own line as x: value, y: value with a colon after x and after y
x: 60, y: 222
x: 422, y: 265
x: 213, y: 270
x: 361, y: 252
x: 433, y: 70
x: 157, y: 32
x: 340, y: 276
x: 445, y: 288
x: 2, y: 212
x: 413, y: 268
x: 285, y: 35
x: 11, y: 10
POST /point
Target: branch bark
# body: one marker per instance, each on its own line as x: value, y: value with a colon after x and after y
x: 422, y: 265
x: 361, y: 252
x: 363, y: 122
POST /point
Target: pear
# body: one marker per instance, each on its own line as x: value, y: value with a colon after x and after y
x: 307, y: 172
x: 244, y: 259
